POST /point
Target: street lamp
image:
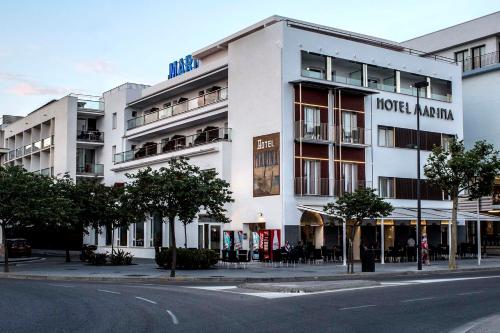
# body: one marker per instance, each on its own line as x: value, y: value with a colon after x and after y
x: 418, y: 85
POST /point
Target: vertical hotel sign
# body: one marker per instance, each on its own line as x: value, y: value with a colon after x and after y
x: 266, y: 165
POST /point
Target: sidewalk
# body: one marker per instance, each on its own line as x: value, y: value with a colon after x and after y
x: 145, y: 270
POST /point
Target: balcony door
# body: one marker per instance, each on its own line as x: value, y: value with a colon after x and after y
x: 85, y: 158
x: 312, y: 177
x: 349, y: 127
x: 477, y: 56
x: 312, y: 123
x: 350, y: 177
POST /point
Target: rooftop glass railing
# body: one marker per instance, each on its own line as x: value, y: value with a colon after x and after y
x: 90, y: 105
x: 178, y: 142
x: 186, y: 106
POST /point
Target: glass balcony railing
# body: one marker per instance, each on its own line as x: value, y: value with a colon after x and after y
x: 313, y: 131
x: 90, y: 105
x: 351, y: 135
x: 19, y: 152
x: 305, y: 186
x: 90, y: 170
x: 31, y: 148
x: 90, y: 136
x: 47, y: 142
x: 481, y: 61
x: 47, y: 172
x: 36, y: 146
x: 186, y: 106
x: 177, y: 143
x: 12, y: 154
x: 28, y: 149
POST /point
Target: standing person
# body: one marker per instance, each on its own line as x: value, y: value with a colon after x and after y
x: 425, y: 250
x: 288, y: 247
x: 410, y: 243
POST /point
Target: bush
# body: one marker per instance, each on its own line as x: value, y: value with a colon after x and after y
x: 121, y: 257
x: 98, y: 259
x: 187, y: 258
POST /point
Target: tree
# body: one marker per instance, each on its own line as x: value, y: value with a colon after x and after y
x: 61, y: 209
x: 354, y: 208
x: 456, y: 170
x: 179, y: 190
x: 21, y: 198
x: 106, y: 206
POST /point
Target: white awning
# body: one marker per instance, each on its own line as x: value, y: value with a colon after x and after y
x: 405, y: 213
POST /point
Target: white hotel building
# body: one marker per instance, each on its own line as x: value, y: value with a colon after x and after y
x: 293, y: 115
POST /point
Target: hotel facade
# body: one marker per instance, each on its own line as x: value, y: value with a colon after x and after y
x: 293, y: 115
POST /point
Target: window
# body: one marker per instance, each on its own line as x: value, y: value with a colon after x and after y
x: 139, y: 234
x: 446, y: 140
x: 407, y: 81
x: 381, y: 78
x: 115, y: 120
x: 109, y: 235
x: 461, y: 57
x: 350, y: 177
x: 346, y: 71
x: 312, y: 176
x: 477, y: 56
x: 386, y: 136
x: 123, y: 233
x: 312, y: 123
x: 113, y: 153
x: 441, y: 90
x: 386, y: 187
x: 313, y: 65
x: 350, y: 131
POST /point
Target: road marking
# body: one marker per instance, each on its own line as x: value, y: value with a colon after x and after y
x: 109, y: 291
x: 146, y: 300
x: 453, y: 279
x: 469, y: 293
x: 61, y: 285
x: 174, y: 318
x: 357, y: 307
x: 214, y: 287
x: 417, y: 299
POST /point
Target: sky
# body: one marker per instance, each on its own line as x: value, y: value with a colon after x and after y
x: 50, y: 48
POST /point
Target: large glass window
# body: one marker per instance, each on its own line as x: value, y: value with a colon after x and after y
x: 381, y: 78
x: 139, y: 234
x: 477, y: 56
x: 109, y: 235
x: 313, y: 65
x: 461, y: 57
x: 407, y: 82
x: 350, y: 177
x: 123, y: 236
x: 386, y: 187
x: 312, y: 123
x: 441, y: 90
x: 312, y: 175
x: 446, y: 140
x: 215, y: 237
x: 346, y: 71
x: 350, y: 131
x: 385, y: 136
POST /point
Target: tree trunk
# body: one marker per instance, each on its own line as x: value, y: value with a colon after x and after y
x: 174, y: 248
x: 185, y: 236
x: 6, y: 258
x: 112, y: 240
x: 452, y: 263
x: 351, y: 249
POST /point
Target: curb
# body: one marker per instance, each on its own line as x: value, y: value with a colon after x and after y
x: 186, y: 279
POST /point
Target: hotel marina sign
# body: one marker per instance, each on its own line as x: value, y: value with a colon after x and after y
x: 403, y: 107
x: 181, y: 66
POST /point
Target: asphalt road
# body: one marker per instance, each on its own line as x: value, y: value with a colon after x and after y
x: 437, y: 303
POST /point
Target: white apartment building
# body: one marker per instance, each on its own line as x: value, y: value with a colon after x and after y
x: 475, y: 45
x: 293, y: 115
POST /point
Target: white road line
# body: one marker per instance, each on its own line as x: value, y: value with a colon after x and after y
x: 357, y: 307
x: 108, y: 291
x: 146, y: 300
x: 61, y: 285
x: 469, y: 293
x: 417, y: 299
x: 214, y: 287
x: 174, y: 318
x: 453, y: 279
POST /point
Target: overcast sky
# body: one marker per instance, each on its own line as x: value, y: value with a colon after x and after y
x: 49, y: 48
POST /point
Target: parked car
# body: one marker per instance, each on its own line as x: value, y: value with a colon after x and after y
x: 18, y: 247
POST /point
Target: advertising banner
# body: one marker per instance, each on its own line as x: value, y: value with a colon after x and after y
x: 266, y: 165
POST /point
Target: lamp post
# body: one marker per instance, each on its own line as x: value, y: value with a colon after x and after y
x: 418, y: 85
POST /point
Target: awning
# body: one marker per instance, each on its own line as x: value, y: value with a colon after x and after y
x: 405, y: 213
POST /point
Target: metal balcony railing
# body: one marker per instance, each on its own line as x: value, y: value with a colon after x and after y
x: 351, y: 135
x: 174, y: 144
x: 481, y: 61
x: 90, y: 136
x: 313, y: 131
x: 90, y: 170
x: 186, y: 106
x: 306, y: 186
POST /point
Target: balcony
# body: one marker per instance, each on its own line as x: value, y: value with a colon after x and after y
x: 352, y: 136
x: 326, y: 187
x: 90, y: 170
x: 90, y: 136
x: 178, y: 142
x: 49, y: 172
x: 186, y: 106
x: 482, y: 61
x: 314, y: 132
x: 90, y: 105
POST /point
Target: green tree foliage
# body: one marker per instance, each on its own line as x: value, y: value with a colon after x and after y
x: 354, y: 208
x: 179, y: 190
x: 22, y: 195
x: 457, y: 170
